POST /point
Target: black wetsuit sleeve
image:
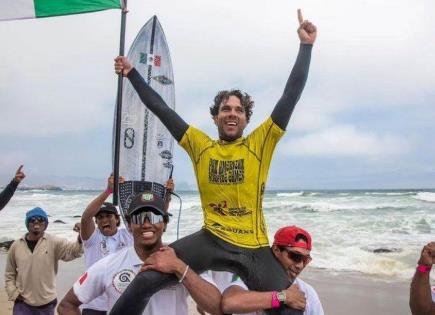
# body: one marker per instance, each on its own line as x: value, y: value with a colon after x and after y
x: 154, y: 102
x: 294, y: 87
x: 7, y: 193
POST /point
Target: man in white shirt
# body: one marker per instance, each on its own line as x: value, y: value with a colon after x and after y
x: 107, y: 238
x: 110, y: 276
x: 291, y: 247
x: 102, y: 241
x: 422, y: 297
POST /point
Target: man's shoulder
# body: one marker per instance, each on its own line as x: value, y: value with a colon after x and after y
x: 304, y: 286
x: 116, y: 256
x: 109, y: 263
x: 193, y: 132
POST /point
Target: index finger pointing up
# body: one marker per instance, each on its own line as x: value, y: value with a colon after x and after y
x: 20, y: 168
x: 300, y: 17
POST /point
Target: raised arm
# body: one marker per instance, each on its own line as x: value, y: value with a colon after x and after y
x: 153, y: 101
x: 420, y: 300
x: 9, y: 190
x: 87, y: 226
x: 307, y: 33
x: 204, y: 293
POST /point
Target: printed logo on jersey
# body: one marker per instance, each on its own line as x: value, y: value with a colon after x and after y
x: 222, y: 209
x: 104, y: 249
x: 122, y: 279
x: 217, y: 226
x: 83, y: 278
x: 226, y: 172
x: 219, y: 207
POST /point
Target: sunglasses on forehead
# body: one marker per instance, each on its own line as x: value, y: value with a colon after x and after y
x: 296, y: 257
x: 140, y: 217
x: 37, y: 220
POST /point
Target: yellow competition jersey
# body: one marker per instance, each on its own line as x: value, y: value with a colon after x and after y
x: 231, y: 180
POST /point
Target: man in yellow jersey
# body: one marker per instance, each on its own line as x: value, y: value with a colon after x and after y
x: 231, y: 174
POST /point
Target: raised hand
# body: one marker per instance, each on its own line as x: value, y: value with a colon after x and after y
x: 122, y: 64
x: 307, y: 31
x: 111, y: 181
x: 170, y: 185
x: 19, y: 174
x: 427, y: 256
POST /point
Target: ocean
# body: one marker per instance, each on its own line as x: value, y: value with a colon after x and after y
x: 374, y: 232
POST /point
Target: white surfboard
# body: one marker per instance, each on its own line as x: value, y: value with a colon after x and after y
x: 146, y: 146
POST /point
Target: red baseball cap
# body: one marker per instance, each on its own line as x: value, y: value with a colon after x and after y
x: 287, y: 236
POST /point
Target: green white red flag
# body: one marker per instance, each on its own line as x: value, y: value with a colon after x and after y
x: 30, y: 9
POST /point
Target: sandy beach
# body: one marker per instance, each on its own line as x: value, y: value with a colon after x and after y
x: 340, y: 293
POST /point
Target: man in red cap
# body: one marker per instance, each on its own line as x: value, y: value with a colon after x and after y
x: 291, y: 247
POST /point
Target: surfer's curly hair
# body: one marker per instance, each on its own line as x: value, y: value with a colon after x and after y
x: 223, y: 96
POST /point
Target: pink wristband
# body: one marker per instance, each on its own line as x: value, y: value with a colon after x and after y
x: 275, y: 301
x: 109, y: 191
x: 424, y: 268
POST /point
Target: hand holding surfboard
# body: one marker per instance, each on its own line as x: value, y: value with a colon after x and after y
x: 307, y: 31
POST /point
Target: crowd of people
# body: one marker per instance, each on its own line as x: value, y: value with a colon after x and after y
x: 226, y: 267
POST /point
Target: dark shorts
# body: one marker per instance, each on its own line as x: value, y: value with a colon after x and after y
x: 89, y: 311
x: 22, y: 308
x: 203, y: 251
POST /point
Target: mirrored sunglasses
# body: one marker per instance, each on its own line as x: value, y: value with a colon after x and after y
x: 37, y: 220
x: 296, y: 257
x: 140, y: 217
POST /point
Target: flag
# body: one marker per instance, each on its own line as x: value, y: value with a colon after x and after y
x: 150, y: 59
x: 30, y: 9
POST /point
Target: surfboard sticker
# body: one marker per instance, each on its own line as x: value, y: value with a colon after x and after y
x: 146, y: 147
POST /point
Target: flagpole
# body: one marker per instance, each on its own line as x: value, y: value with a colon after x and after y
x: 119, y: 108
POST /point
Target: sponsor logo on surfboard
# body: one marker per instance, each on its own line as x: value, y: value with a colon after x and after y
x: 150, y: 59
x: 166, y: 154
x: 163, y: 80
x: 167, y: 164
x: 129, y: 138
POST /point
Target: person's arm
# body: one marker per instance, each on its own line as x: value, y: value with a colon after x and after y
x: 69, y: 304
x: 11, y: 275
x: 67, y: 250
x: 89, y: 286
x: 9, y: 190
x: 153, y: 101
x: 295, y: 84
x: 420, y: 300
x: 87, y: 226
x: 236, y: 299
x: 205, y: 294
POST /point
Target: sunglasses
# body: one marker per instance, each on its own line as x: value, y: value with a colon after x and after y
x: 34, y: 220
x: 296, y: 257
x: 140, y: 217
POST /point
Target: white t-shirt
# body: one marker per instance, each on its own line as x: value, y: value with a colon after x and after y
x: 313, y: 306
x: 111, y: 276
x: 433, y: 294
x: 99, y: 246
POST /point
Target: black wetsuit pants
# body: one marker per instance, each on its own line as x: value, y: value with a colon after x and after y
x: 202, y: 251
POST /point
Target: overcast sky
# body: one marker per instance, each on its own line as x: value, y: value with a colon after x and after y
x: 366, y: 118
